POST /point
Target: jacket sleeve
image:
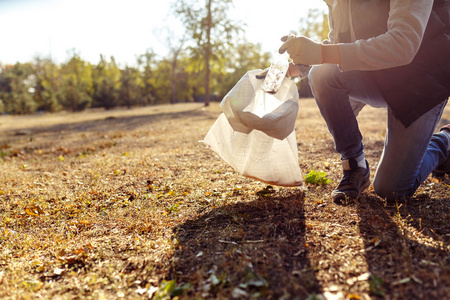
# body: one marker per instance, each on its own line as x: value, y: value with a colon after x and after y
x: 406, y: 26
x: 331, y: 25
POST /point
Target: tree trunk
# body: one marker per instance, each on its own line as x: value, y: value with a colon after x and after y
x: 208, y: 54
x: 172, y: 79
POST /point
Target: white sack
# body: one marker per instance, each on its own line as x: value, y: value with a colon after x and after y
x: 255, y: 134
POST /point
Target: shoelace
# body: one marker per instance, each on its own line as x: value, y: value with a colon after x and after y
x: 348, y: 177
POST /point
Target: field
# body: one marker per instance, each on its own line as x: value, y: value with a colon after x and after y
x: 128, y: 204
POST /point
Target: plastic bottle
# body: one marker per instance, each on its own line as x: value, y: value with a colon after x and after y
x: 276, y: 74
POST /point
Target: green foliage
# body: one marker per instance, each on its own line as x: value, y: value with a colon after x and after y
x: 146, y: 63
x: 45, y: 94
x: 207, y: 24
x: 210, y: 59
x: 313, y: 296
x: 161, y: 84
x: 318, y: 178
x: 106, y: 82
x: 105, y: 94
x: 243, y: 57
x: 173, y: 208
x: 169, y: 289
x: 129, y: 91
x: 77, y: 86
x: 211, y: 32
x: 16, y: 84
x: 315, y: 25
x: 376, y: 285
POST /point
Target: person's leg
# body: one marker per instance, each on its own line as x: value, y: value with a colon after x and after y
x: 443, y: 168
x: 340, y: 96
x: 410, y: 154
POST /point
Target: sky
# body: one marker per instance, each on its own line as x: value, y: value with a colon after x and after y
x: 124, y: 28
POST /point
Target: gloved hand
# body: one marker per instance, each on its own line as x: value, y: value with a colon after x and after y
x: 293, y: 69
x: 302, y: 50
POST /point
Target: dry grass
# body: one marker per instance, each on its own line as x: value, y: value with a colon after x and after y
x: 127, y: 204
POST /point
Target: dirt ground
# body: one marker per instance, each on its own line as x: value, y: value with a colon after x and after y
x: 128, y: 204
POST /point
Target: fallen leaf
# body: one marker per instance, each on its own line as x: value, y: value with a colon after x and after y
x: 401, y: 281
x: 30, y: 212
x: 141, y: 291
x: 58, y: 271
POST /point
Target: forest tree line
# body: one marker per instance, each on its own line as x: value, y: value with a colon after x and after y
x: 76, y: 84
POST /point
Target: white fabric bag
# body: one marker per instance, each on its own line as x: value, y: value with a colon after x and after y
x: 255, y: 134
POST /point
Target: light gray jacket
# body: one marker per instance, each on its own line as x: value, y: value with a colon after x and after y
x: 377, y: 34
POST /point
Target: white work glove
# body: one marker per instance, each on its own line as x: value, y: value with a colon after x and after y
x: 293, y: 69
x: 302, y: 50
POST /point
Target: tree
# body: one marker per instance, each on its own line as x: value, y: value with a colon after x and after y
x: 17, y: 85
x: 175, y: 45
x: 76, y: 87
x: 210, y: 30
x: 106, y: 81
x: 46, y: 88
x: 161, y: 81
x: 146, y: 64
x: 129, y: 91
x: 315, y: 25
x: 244, y: 57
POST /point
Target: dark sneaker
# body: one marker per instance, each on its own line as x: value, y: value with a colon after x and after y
x: 444, y: 168
x: 354, y: 181
x: 440, y: 171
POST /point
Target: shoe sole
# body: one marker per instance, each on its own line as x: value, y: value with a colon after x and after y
x: 439, y: 174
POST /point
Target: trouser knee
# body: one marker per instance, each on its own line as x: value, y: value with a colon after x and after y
x: 322, y: 79
x: 387, y: 190
x: 381, y: 189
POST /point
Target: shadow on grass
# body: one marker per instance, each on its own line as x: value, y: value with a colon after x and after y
x: 408, y: 258
x: 247, y: 250
x: 125, y: 123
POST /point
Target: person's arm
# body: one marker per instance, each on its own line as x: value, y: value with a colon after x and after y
x: 332, y: 32
x: 305, y: 51
x: 331, y: 54
x: 398, y: 46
